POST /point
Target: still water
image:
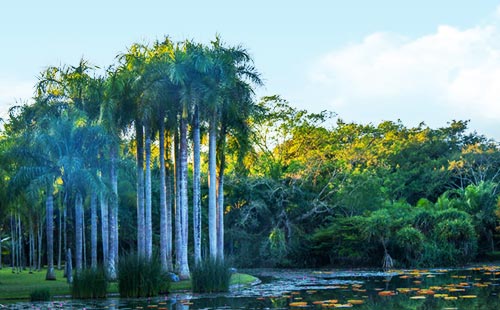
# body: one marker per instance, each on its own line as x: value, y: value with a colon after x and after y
x: 471, y: 288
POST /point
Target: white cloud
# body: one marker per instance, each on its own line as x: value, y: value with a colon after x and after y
x: 445, y: 75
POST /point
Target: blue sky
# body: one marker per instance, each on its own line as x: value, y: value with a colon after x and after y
x: 430, y: 61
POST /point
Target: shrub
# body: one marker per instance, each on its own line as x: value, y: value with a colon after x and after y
x: 411, y: 241
x: 89, y: 283
x: 141, y: 277
x: 461, y: 235
x: 40, y: 294
x: 211, y: 275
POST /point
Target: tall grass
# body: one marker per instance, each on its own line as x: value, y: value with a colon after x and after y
x: 89, y: 283
x: 211, y: 275
x: 141, y: 277
x: 40, y: 294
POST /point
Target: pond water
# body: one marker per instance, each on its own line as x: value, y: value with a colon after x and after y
x: 472, y: 288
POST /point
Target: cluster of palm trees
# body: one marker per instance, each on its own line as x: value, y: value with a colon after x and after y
x: 68, y: 144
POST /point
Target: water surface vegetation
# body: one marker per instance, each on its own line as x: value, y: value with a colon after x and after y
x: 469, y: 288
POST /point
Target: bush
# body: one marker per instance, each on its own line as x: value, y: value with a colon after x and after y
x: 211, y: 275
x: 411, y: 241
x: 141, y: 277
x: 40, y: 294
x: 461, y: 235
x: 89, y: 283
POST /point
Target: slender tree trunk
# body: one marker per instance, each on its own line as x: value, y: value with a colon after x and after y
x: 104, y: 230
x: 112, y: 244
x: 51, y: 275
x: 220, y: 195
x: 148, y: 222
x: 212, y: 194
x: 84, y: 239
x: 31, y: 247
x: 183, y: 264
x: 170, y: 201
x: 140, y: 190
x: 78, y: 232
x: 177, y: 206
x: 65, y: 233
x: 40, y: 243
x: 113, y: 218
x: 93, y: 230
x: 59, y: 240
x: 13, y: 243
x: 196, y: 187
x: 19, y: 244
x: 69, y: 267
x: 220, y: 214
x: 163, y: 198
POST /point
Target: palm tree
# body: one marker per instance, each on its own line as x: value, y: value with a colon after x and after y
x: 231, y: 67
x: 163, y: 95
x: 115, y: 117
x: 38, y: 172
x: 179, y: 75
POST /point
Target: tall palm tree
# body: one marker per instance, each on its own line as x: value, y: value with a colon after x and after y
x: 230, y: 67
x: 179, y: 75
x: 115, y: 117
x: 38, y: 172
x: 163, y: 96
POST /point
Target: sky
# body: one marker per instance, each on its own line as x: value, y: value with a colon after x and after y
x: 368, y: 61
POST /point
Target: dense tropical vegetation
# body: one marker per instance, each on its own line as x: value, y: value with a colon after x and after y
x: 168, y: 153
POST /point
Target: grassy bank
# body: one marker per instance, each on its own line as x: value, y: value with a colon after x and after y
x: 20, y: 285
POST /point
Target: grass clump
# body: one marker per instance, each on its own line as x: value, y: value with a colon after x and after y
x: 40, y: 294
x: 89, y: 283
x: 139, y: 276
x: 210, y: 276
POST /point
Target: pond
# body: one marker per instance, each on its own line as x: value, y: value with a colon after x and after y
x: 471, y: 288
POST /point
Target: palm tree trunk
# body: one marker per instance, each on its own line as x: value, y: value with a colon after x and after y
x: 212, y: 194
x: 170, y: 192
x: 93, y: 230
x: 31, y: 247
x: 65, y: 233
x: 220, y: 209
x: 84, y: 239
x: 163, y: 199
x: 104, y: 230
x: 177, y: 206
x: 112, y: 244
x: 140, y: 190
x: 12, y: 243
x: 148, y: 222
x: 19, y: 244
x: 40, y: 244
x: 220, y: 195
x: 196, y: 187
x: 49, y: 206
x: 113, y: 218
x: 59, y: 240
x: 183, y: 263
x: 78, y: 232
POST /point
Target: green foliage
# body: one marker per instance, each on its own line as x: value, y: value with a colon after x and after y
x: 40, y: 294
x: 411, y: 241
x: 461, y: 235
x: 274, y: 250
x: 141, y: 277
x: 89, y: 283
x: 210, y: 276
x: 342, y: 243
